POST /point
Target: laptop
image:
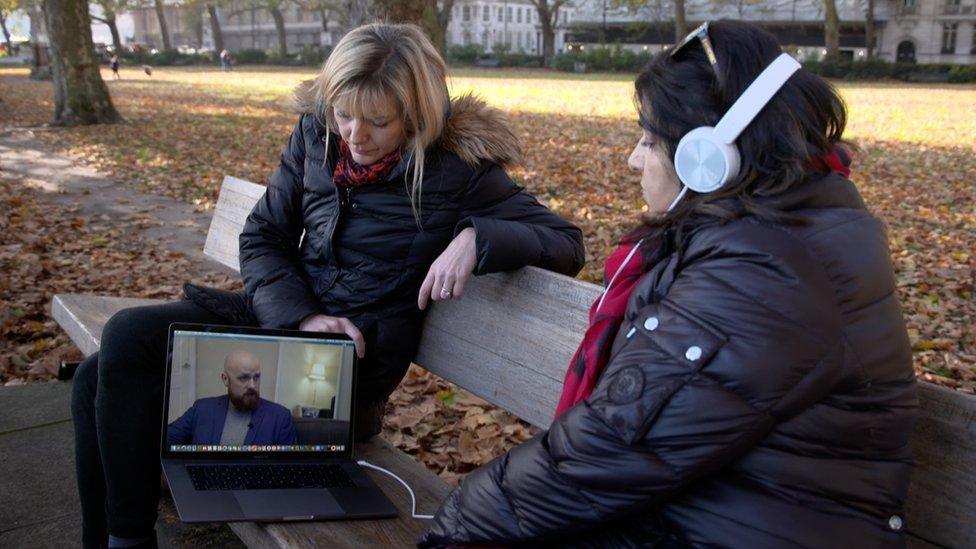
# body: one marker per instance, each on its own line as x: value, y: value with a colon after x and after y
x: 257, y: 426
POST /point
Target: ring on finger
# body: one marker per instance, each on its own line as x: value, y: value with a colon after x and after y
x: 445, y: 293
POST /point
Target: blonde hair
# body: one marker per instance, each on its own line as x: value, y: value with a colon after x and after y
x: 376, y: 61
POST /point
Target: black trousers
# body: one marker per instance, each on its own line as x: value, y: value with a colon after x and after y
x: 117, y: 405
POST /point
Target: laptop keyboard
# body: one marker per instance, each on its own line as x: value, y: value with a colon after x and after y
x: 270, y: 476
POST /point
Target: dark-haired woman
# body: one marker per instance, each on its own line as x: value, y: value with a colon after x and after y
x: 756, y: 389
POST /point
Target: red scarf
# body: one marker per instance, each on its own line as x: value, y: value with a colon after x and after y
x: 348, y: 173
x: 605, y: 319
x: 624, y: 268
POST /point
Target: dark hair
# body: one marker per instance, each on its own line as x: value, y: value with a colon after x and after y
x: 803, y: 121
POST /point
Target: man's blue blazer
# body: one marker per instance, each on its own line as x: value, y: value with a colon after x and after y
x: 203, y: 423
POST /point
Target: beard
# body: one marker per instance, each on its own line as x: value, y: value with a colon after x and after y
x: 245, y: 402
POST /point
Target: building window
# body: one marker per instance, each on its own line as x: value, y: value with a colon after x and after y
x: 949, y: 37
x: 466, y: 14
x: 972, y: 48
x: 951, y: 7
x: 508, y: 15
x: 467, y: 38
x: 518, y: 15
x: 499, y: 15
x: 486, y: 14
x: 299, y: 15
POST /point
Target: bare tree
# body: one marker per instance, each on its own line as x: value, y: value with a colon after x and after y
x: 680, y: 24
x: 548, y: 11
x: 215, y: 30
x: 323, y: 8
x: 6, y: 8
x: 80, y: 95
x: 424, y: 13
x: 163, y: 27
x: 110, y: 11
x: 869, y: 28
x: 831, y: 28
x: 274, y: 6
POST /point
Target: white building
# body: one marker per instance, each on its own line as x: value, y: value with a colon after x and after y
x: 924, y: 31
x: 503, y: 26
x: 930, y: 31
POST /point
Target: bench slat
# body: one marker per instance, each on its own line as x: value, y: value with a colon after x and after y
x: 237, y: 198
x: 941, y: 505
x: 510, y: 338
x: 82, y: 317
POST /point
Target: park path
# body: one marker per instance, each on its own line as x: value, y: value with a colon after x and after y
x: 38, y: 499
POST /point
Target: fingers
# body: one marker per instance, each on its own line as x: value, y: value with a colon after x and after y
x: 357, y: 337
x: 336, y: 325
x: 424, y: 294
x: 445, y: 283
x: 460, y: 283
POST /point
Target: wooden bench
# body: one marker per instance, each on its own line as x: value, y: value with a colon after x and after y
x: 508, y: 341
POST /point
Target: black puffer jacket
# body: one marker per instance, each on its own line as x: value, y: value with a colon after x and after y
x: 760, y: 394
x: 309, y: 248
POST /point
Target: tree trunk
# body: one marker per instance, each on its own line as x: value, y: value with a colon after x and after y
x: 430, y: 21
x: 869, y: 29
x: 197, y: 26
x: 40, y: 68
x: 279, y: 20
x: 324, y: 17
x: 113, y: 27
x: 548, y: 18
x: 831, y: 29
x: 443, y: 21
x: 163, y: 29
x: 218, y: 36
x: 680, y: 24
x: 80, y: 95
x: 6, y: 35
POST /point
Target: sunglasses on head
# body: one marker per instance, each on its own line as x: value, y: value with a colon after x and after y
x: 700, y: 34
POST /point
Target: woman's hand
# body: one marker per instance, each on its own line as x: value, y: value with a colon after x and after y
x: 450, y: 271
x: 335, y: 325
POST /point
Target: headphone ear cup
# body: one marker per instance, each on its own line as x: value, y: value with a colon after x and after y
x: 703, y: 163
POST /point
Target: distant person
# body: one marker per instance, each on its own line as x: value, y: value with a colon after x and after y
x: 225, y: 60
x: 239, y: 417
x: 114, y: 62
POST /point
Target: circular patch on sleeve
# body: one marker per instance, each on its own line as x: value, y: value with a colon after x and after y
x: 628, y: 386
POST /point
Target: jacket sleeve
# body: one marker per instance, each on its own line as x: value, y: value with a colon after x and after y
x: 274, y: 278
x: 181, y: 430
x: 514, y: 230
x: 683, y: 396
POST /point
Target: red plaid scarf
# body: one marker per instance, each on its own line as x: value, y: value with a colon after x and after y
x: 348, y: 173
x: 623, y: 269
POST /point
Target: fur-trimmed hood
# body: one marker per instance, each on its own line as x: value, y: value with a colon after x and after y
x: 474, y: 131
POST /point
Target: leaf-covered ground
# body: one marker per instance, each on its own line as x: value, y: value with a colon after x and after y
x: 186, y: 128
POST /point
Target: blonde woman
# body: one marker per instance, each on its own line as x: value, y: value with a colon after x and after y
x: 401, y: 195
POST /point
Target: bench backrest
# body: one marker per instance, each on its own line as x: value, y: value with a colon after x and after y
x: 511, y: 336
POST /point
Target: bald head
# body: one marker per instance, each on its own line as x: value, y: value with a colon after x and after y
x: 242, y: 377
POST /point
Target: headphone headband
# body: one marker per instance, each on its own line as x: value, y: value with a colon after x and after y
x: 747, y: 107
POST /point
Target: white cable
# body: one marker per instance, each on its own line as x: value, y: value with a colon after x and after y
x: 413, y: 499
x: 684, y: 190
x: 613, y: 278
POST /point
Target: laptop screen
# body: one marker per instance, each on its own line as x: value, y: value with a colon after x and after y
x: 254, y: 391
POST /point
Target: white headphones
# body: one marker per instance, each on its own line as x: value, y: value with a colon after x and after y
x: 706, y: 157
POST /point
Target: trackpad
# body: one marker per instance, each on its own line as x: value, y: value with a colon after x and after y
x: 288, y: 504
